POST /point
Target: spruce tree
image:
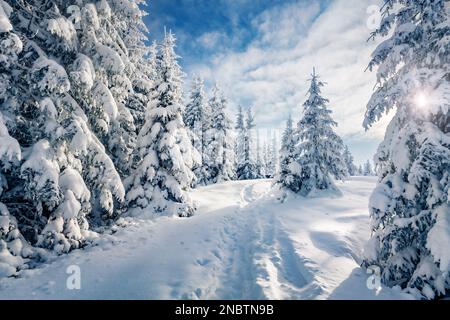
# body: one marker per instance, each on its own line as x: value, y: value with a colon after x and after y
x: 240, y: 141
x: 266, y: 159
x: 196, y: 117
x: 246, y: 168
x: 287, y: 155
x: 367, y: 170
x: 13, y: 247
x: 143, y: 89
x: 360, y: 170
x: 260, y: 165
x: 219, y: 158
x: 70, y: 75
x: 410, y: 205
x: 349, y: 162
x: 271, y: 162
x: 161, y: 180
x: 318, y: 149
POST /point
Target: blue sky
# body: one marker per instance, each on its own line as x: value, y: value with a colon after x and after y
x: 261, y: 53
x: 230, y: 20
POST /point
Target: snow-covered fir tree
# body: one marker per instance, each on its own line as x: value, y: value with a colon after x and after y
x: 287, y: 155
x: 318, y: 149
x: 367, y: 169
x: 218, y: 159
x: 13, y: 246
x: 240, y: 140
x: 112, y: 41
x: 260, y: 164
x: 271, y: 157
x: 266, y: 159
x: 349, y: 162
x: 11, y: 241
x: 410, y: 206
x: 197, y: 118
x: 143, y: 89
x: 162, y: 178
x: 246, y: 166
x: 69, y: 79
x: 249, y: 166
x: 249, y: 144
x: 360, y: 170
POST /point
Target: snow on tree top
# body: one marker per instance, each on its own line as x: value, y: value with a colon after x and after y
x: 5, y: 24
x: 83, y: 73
x: 50, y: 76
x: 64, y: 29
x: 9, y: 147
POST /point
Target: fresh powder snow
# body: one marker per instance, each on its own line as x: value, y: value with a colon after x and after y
x: 243, y: 243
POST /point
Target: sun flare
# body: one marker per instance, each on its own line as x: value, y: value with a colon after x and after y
x: 421, y: 100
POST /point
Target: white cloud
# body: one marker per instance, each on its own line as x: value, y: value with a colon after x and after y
x: 272, y: 73
x: 291, y: 19
x: 210, y: 39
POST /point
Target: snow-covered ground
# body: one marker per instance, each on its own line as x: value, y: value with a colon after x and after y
x: 243, y: 243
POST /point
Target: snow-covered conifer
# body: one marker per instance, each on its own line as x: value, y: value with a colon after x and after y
x: 410, y: 206
x: 367, y: 169
x: 13, y: 247
x: 219, y: 157
x: 260, y: 164
x: 66, y: 105
x: 287, y: 155
x: 360, y: 170
x: 271, y: 154
x: 143, y: 89
x: 318, y: 149
x: 246, y: 166
x: 266, y: 159
x: 162, y: 178
x: 196, y: 117
x: 240, y: 140
x: 349, y: 162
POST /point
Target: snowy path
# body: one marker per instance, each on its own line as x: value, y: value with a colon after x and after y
x: 242, y: 244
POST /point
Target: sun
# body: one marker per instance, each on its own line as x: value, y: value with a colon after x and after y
x: 421, y: 100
